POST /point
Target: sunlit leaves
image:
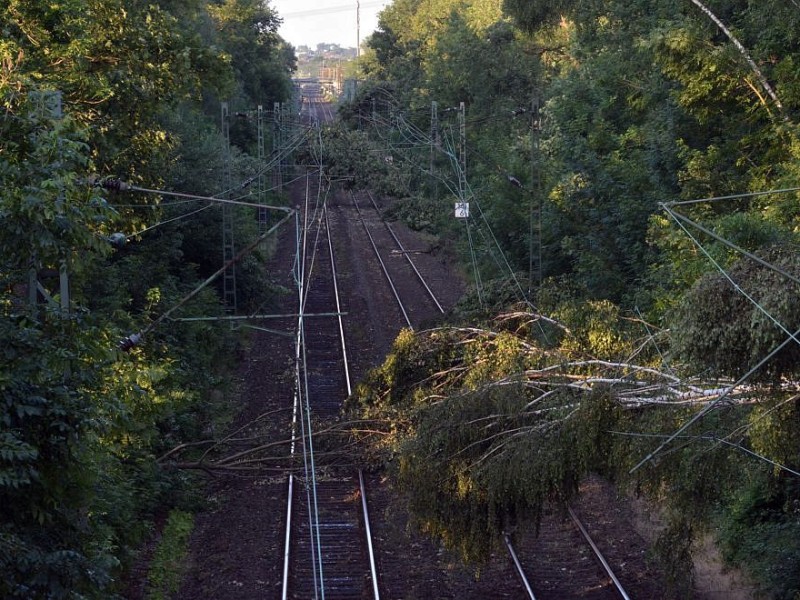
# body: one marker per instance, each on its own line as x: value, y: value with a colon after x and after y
x: 43, y: 207
x: 532, y: 16
x: 484, y: 427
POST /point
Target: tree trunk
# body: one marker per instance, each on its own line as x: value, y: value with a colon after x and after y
x: 743, y: 51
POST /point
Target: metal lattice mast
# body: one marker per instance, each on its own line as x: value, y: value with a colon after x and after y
x: 228, y: 243
x: 434, y: 132
x: 535, y: 233
x: 49, y: 104
x: 263, y: 219
x: 462, y: 153
x: 276, y: 144
x: 286, y: 115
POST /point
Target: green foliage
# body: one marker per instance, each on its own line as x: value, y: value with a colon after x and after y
x: 419, y: 212
x: 773, y: 431
x: 247, y: 30
x: 673, y: 550
x: 52, y: 425
x: 760, y: 530
x: 478, y: 451
x: 483, y: 430
x: 719, y: 329
x: 643, y: 103
x: 82, y: 423
x: 352, y: 161
x: 597, y: 328
x: 532, y: 16
x: 165, y: 570
x: 43, y: 208
x: 494, y: 297
x: 618, y: 135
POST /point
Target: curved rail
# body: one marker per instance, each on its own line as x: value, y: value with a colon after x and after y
x: 406, y: 255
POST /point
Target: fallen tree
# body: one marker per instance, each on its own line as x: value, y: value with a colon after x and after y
x: 484, y: 427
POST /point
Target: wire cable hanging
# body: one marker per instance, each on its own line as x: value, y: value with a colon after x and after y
x: 706, y: 409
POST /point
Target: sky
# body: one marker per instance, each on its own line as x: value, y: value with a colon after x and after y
x: 310, y: 22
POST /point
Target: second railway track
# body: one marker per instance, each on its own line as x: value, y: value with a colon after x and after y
x: 397, y: 264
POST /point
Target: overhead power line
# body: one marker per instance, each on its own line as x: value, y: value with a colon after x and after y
x: 331, y: 9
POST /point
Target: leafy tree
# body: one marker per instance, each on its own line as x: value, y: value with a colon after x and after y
x: 81, y: 423
x: 262, y: 62
x: 642, y: 103
x: 719, y: 329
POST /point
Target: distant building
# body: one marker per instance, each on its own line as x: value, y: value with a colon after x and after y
x: 333, y: 78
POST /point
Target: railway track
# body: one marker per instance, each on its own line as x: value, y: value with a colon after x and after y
x: 328, y: 547
x: 330, y: 551
x: 564, y: 561
x: 397, y: 263
x: 544, y: 570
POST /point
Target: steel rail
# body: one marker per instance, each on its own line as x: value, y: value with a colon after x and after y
x: 338, y: 304
x: 337, y: 577
x: 370, y: 550
x: 372, y: 565
x: 408, y: 258
x: 301, y: 360
x: 518, y: 566
x: 287, y: 540
x: 300, y: 259
x: 292, y: 447
x: 326, y: 110
x: 598, y: 554
x: 380, y: 260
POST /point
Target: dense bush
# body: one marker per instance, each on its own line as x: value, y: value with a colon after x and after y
x: 117, y: 89
x: 642, y: 105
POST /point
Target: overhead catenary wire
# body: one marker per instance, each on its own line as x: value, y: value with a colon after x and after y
x: 306, y: 263
x: 742, y: 429
x: 708, y: 407
x: 173, y: 219
x: 135, y: 338
x: 313, y: 12
x: 478, y: 282
x: 733, y: 196
x: 305, y: 408
x: 715, y: 440
x: 677, y: 216
x: 115, y: 184
x: 412, y: 139
x: 423, y: 139
x: 736, y: 286
x: 193, y: 198
x: 122, y: 186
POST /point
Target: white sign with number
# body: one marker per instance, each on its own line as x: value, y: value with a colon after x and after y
x: 462, y: 210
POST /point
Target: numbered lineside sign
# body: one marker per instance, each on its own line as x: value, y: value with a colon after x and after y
x: 462, y: 210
